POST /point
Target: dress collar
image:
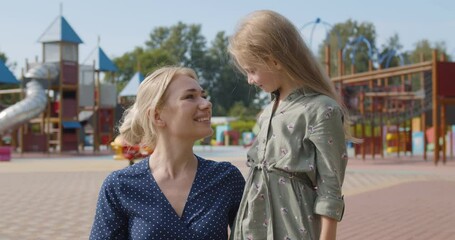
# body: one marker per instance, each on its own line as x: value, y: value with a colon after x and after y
x: 294, y: 93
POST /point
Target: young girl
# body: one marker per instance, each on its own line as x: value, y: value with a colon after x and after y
x: 173, y: 194
x: 298, y: 160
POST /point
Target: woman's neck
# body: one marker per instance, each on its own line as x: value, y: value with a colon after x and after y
x: 172, y: 160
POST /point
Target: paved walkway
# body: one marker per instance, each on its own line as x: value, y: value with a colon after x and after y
x: 54, y: 197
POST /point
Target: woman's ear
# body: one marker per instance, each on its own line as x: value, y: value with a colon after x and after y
x: 157, y: 119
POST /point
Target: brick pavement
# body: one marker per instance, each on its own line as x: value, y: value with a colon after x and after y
x: 406, y: 198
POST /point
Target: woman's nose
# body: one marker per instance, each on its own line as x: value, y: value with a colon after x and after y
x: 205, y: 104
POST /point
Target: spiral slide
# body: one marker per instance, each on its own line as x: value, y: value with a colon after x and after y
x: 34, y: 102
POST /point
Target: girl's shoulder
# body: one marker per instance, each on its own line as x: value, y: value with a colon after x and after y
x: 319, y: 106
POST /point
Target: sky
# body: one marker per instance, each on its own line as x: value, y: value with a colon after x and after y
x: 122, y: 25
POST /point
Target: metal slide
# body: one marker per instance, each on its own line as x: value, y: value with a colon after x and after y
x: 34, y: 102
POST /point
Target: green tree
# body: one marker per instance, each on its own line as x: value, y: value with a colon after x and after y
x: 341, y: 37
x: 3, y: 57
x: 424, y: 48
x: 225, y: 85
x: 392, y: 54
x: 184, y: 43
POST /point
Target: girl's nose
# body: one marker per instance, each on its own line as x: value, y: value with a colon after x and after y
x: 250, y: 80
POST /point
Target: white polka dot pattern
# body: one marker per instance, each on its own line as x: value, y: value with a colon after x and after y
x: 131, y: 205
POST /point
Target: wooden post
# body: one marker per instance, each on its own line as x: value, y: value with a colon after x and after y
x: 96, y: 127
x: 371, y: 109
x: 451, y: 142
x: 362, y: 124
x: 423, y: 114
x: 435, y: 106
x: 443, y: 122
x: 381, y: 129
x: 443, y: 129
x: 327, y: 59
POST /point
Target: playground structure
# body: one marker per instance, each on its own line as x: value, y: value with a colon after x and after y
x: 384, y: 99
x: 61, y: 102
x: 391, y: 107
x: 64, y: 100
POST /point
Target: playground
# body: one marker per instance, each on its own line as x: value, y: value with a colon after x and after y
x: 58, y: 141
x: 60, y: 105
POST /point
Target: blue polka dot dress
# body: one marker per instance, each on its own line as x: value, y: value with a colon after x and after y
x: 132, y: 206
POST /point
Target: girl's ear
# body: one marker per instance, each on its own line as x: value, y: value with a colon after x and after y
x: 276, y: 64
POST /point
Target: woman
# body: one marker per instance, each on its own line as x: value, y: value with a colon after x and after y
x: 173, y: 194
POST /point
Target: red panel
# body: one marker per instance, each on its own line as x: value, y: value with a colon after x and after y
x: 69, y: 72
x: 446, y: 79
x: 367, y: 143
x: 106, y: 120
x: 69, y: 108
x: 34, y: 142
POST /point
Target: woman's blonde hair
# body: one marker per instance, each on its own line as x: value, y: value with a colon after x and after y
x: 137, y: 125
x: 265, y: 35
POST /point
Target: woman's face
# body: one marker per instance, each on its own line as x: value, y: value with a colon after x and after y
x: 186, y: 112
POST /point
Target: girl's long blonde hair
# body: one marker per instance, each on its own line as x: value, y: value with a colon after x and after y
x: 264, y: 35
x: 137, y: 125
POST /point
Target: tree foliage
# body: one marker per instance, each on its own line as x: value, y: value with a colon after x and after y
x: 184, y: 45
x: 3, y: 57
x: 342, y: 37
x: 423, y: 51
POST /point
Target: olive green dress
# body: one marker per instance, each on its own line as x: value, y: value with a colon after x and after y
x: 297, y: 166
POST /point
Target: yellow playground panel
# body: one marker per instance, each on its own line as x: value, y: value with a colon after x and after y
x: 398, y: 142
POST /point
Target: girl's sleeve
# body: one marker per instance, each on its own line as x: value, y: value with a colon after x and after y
x: 328, y: 137
x: 110, y: 221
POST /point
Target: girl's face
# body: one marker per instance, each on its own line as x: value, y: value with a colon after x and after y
x: 266, y: 78
x: 186, y: 112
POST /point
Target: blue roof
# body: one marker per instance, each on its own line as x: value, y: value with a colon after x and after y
x: 6, y: 76
x: 102, y: 62
x: 132, y: 86
x: 71, y: 125
x: 60, y: 31
x: 105, y: 63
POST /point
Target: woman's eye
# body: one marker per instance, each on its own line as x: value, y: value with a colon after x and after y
x: 189, y: 97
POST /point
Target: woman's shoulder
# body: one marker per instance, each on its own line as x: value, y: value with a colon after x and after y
x: 132, y: 171
x: 221, y: 173
x: 219, y: 168
x: 216, y: 165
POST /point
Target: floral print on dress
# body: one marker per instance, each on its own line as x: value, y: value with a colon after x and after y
x: 344, y: 156
x: 283, y: 152
x: 290, y: 127
x: 329, y: 112
x: 308, y: 129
